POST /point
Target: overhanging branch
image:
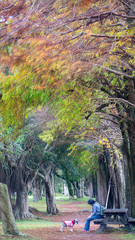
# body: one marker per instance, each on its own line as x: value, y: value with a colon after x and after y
x: 115, y: 72
x: 122, y: 100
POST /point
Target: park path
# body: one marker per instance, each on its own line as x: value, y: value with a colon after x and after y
x: 72, y: 212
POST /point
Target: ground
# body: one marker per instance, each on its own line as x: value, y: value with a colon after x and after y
x: 73, y: 211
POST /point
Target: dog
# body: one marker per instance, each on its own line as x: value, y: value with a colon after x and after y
x: 68, y: 224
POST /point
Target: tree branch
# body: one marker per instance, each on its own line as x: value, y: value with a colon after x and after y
x: 104, y: 35
x: 123, y: 100
x: 127, y: 5
x: 10, y: 6
x: 123, y: 16
x: 115, y: 72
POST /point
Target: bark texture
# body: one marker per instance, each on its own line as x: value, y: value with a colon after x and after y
x: 128, y: 126
x: 50, y: 193
x: 112, y: 181
x: 47, y: 176
x: 35, y: 191
x: 8, y: 220
x: 92, y: 186
x: 21, y: 208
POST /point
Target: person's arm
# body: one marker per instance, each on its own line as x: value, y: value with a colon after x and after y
x: 93, y: 211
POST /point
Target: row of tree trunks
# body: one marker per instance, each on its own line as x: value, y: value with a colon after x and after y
x: 111, y: 181
x: 22, y: 209
x: 22, y: 187
x: 129, y: 149
x: 128, y: 125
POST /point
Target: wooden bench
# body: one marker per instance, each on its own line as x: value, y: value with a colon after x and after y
x: 115, y: 217
x: 98, y: 221
x: 131, y: 221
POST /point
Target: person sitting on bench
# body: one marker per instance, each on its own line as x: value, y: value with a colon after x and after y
x: 95, y: 213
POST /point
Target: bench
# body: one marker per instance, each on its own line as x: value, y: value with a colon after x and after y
x: 98, y: 221
x: 108, y: 221
x: 115, y: 217
x: 131, y: 221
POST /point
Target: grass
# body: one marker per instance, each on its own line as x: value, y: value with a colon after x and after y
x: 35, y: 223
x: 60, y: 199
x: 128, y: 236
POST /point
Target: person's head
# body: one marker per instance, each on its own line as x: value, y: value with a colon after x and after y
x: 91, y: 201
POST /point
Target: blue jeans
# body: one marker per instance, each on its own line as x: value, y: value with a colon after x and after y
x: 88, y: 220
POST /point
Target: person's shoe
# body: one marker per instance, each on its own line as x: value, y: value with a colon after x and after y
x: 84, y: 230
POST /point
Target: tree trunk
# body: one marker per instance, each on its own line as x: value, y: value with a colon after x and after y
x: 1, y: 173
x: 50, y: 193
x: 35, y: 191
x: 128, y: 128
x: 111, y: 179
x: 22, y: 209
x: 89, y: 187
x: 122, y: 180
x: 8, y: 221
x: 69, y: 184
x: 70, y: 189
x: 128, y: 132
x: 77, y: 190
x: 101, y: 184
x: 129, y: 148
x: 20, y: 203
x: 92, y: 186
x: 81, y: 188
x: 131, y: 164
x: 40, y: 189
x: 131, y: 134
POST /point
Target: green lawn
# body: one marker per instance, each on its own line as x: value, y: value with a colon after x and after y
x: 130, y: 236
x: 60, y: 200
x: 35, y: 223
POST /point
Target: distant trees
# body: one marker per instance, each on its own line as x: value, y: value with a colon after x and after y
x: 24, y: 159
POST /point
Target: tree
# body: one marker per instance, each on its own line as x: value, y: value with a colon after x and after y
x: 8, y: 221
x: 39, y: 162
x: 24, y: 157
x: 14, y: 176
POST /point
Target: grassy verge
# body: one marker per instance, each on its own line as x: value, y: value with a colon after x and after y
x: 129, y: 236
x: 35, y: 223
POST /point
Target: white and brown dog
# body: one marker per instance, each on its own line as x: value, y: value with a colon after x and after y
x: 68, y: 224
